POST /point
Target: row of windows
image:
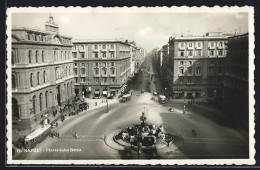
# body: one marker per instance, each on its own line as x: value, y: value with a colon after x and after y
x: 82, y: 47
x: 61, y: 55
x: 37, y: 56
x: 43, y: 100
x: 199, y: 53
x: 61, y: 72
x: 39, y: 78
x: 43, y: 38
x: 199, y: 44
x: 103, y: 64
x: 197, y: 63
x: 197, y: 79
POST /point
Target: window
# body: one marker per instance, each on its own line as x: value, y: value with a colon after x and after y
x: 43, y: 55
x: 104, y: 80
x: 181, y: 70
x: 199, y: 53
x: 31, y: 79
x: 82, y: 64
x: 182, y: 45
x: 198, y: 70
x: 30, y: 56
x: 220, y: 44
x: 75, y: 71
x: 113, y: 80
x: 220, y: 52
x: 82, y: 47
x: 212, y: 44
x: 112, y: 71
x: 44, y: 77
x: 104, y: 46
x: 40, y: 101
x: 182, y: 54
x: 211, y: 52
x: 96, y: 47
x: 211, y: 70
x: 13, y: 81
x: 35, y: 37
x: 104, y: 64
x: 28, y: 36
x: 74, y: 55
x: 112, y: 46
x: 189, y: 80
x: 96, y: 79
x: 83, y: 71
x: 104, y: 71
x: 83, y: 79
x: 46, y: 99
x: 65, y: 55
x: 189, y: 70
x: 112, y: 64
x: 96, y: 55
x: 61, y: 55
x: 190, y: 53
x: 112, y: 55
x: 104, y: 55
x: 96, y: 71
x: 199, y: 44
x: 181, y: 79
x: 181, y: 62
x: 34, y: 104
x: 190, y: 44
x: 36, y: 56
x: 55, y: 55
x: 190, y: 63
x: 38, y: 78
x: 82, y: 55
x: 69, y: 70
x: 96, y: 64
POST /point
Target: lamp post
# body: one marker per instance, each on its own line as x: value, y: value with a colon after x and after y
x: 107, y: 105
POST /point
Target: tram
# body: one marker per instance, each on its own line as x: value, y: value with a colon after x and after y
x: 37, y: 136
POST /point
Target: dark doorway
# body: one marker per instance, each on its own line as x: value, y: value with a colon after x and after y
x: 15, y: 111
x: 58, y: 95
x: 77, y: 92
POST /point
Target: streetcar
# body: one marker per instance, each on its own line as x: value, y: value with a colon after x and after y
x: 126, y: 97
x: 37, y: 136
x: 162, y: 99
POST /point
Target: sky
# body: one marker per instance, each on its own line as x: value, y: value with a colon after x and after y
x: 148, y: 30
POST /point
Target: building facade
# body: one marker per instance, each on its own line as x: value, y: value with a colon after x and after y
x: 101, y: 67
x: 196, y: 66
x: 236, y: 76
x: 42, y: 74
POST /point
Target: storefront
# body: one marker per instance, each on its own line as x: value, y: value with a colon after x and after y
x: 97, y: 93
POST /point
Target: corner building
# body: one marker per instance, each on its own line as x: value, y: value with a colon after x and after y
x: 101, y: 67
x: 42, y: 74
x: 197, y: 66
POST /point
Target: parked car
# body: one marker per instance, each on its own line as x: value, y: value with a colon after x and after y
x: 154, y: 93
x: 110, y: 97
x: 96, y: 97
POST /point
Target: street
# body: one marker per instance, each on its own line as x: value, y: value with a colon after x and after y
x: 215, y: 139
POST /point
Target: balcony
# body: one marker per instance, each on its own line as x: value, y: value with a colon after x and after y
x: 74, y: 50
x: 104, y: 75
x: 96, y: 75
x: 199, y: 48
x: 181, y: 48
x: 104, y: 84
x: 190, y: 48
x: 220, y: 47
x: 112, y: 75
x: 112, y: 49
x: 211, y: 47
x: 95, y: 50
x: 83, y: 75
x: 103, y: 50
x: 81, y: 50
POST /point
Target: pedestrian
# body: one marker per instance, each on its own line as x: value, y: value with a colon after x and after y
x: 58, y: 135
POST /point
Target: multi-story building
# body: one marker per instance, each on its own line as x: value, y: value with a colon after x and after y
x: 42, y: 74
x: 196, y: 65
x: 236, y: 76
x: 101, y: 67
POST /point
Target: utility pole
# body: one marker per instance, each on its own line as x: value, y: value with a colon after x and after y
x: 107, y: 106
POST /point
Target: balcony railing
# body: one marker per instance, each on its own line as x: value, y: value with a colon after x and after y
x: 212, y: 47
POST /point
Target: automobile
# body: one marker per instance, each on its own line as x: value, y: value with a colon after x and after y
x: 96, y: 97
x: 154, y: 93
x: 110, y: 97
x: 171, y: 109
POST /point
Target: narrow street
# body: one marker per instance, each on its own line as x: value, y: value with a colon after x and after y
x: 214, y: 139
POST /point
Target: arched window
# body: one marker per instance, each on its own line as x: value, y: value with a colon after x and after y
x: 38, y: 78
x: 69, y: 70
x: 44, y: 77
x: 66, y: 71
x: 13, y: 57
x: 43, y: 56
x: 31, y: 79
x: 55, y: 55
x: 46, y: 99
x: 30, y: 56
x: 14, y: 82
x: 65, y: 55
x: 61, y: 55
x: 34, y: 104
x: 68, y: 90
x: 40, y: 101
x: 36, y: 56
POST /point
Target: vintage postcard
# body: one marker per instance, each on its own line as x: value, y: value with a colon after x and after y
x: 143, y: 86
